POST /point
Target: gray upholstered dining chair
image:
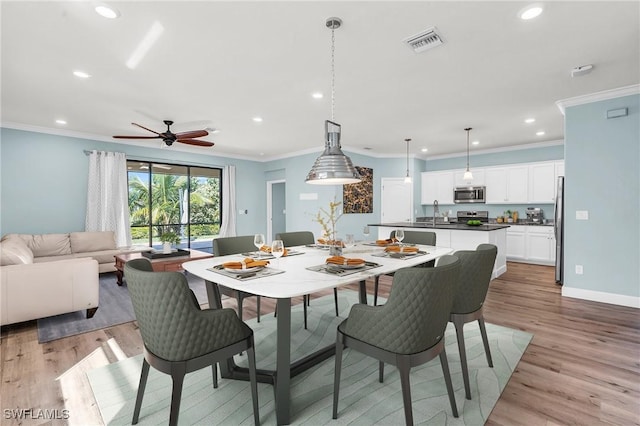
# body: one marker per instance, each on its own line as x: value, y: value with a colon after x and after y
x: 235, y: 245
x: 301, y: 238
x: 476, y: 267
x: 406, y: 331
x: 179, y: 337
x: 426, y: 238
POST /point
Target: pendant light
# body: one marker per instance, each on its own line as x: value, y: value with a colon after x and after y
x: 468, y: 175
x: 332, y: 167
x: 407, y: 178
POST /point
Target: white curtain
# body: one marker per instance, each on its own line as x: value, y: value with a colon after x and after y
x: 228, y: 225
x: 107, y: 196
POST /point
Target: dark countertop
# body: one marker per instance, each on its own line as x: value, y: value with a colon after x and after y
x: 453, y: 226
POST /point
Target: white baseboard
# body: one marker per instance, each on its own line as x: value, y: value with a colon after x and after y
x: 599, y: 296
x: 498, y: 271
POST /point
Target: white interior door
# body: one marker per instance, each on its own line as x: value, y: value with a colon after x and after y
x: 397, y: 200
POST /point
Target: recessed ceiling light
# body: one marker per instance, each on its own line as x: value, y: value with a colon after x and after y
x: 475, y: 143
x: 530, y: 120
x: 317, y: 95
x: 107, y: 11
x: 257, y: 119
x: 424, y: 150
x: 61, y: 122
x: 81, y: 74
x: 540, y: 133
x: 530, y: 12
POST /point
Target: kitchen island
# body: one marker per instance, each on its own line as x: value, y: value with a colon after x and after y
x: 458, y: 236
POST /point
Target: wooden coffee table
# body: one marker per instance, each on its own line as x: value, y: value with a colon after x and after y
x: 159, y: 265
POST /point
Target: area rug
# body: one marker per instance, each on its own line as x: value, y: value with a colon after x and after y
x: 114, y: 308
x: 363, y: 400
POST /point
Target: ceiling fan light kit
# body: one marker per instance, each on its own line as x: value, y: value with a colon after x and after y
x: 169, y: 137
x: 332, y: 167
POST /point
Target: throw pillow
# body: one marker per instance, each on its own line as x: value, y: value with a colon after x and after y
x: 84, y: 242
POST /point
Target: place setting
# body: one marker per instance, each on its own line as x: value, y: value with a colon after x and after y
x: 264, y: 251
x: 340, y: 265
x: 250, y: 268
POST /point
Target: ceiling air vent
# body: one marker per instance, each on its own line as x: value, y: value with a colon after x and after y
x: 424, y: 40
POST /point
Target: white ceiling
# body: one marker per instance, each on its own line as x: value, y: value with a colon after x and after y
x: 218, y: 64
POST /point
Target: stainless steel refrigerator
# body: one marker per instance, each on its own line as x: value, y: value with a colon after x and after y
x: 559, y: 230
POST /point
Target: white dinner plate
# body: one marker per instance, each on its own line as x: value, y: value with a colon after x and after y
x: 243, y: 271
x: 360, y: 265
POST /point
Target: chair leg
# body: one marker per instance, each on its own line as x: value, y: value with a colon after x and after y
x: 375, y: 291
x: 447, y: 381
x: 485, y: 340
x: 463, y: 355
x: 336, y: 377
x: 308, y: 300
x: 176, y: 395
x: 143, y: 383
x: 404, y: 368
x: 254, y: 383
x: 239, y: 299
x: 214, y: 371
x: 381, y: 371
x: 304, y: 306
x: 335, y: 297
x: 258, y: 307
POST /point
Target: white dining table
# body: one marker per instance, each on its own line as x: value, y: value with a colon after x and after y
x: 297, y: 280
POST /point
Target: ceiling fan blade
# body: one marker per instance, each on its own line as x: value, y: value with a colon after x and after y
x: 192, y: 134
x: 195, y: 142
x: 137, y: 137
x: 142, y: 127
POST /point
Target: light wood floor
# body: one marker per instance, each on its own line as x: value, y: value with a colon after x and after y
x: 582, y: 366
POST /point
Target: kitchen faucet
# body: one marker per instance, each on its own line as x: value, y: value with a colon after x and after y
x: 436, y: 211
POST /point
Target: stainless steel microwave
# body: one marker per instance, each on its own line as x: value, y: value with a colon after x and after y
x: 469, y: 194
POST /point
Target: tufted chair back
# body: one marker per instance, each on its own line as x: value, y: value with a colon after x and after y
x: 298, y: 238
x: 417, y: 237
x: 170, y: 322
x: 233, y: 245
x: 476, y: 267
x: 416, y: 314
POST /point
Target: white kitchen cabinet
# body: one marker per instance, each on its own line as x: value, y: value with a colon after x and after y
x: 437, y: 186
x: 507, y: 185
x: 541, y: 244
x: 542, y: 182
x: 478, y: 178
x: 516, y: 248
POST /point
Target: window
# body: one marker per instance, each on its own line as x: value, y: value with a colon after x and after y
x: 168, y: 197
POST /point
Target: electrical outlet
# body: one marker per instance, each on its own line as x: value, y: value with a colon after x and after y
x: 579, y: 270
x: 582, y: 215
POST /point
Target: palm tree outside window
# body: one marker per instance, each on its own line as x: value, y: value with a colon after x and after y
x: 183, y: 199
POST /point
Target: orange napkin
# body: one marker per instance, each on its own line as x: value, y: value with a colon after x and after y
x: 398, y: 249
x: 386, y: 242
x: 330, y: 242
x: 267, y: 249
x: 245, y: 264
x: 340, y: 260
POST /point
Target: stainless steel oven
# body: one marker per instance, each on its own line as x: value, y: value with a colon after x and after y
x: 469, y: 194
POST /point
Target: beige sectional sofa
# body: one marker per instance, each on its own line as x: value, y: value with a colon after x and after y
x: 50, y: 274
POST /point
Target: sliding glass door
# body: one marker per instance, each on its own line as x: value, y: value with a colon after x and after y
x: 182, y: 199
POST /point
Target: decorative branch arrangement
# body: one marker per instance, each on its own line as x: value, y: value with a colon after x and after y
x: 328, y: 220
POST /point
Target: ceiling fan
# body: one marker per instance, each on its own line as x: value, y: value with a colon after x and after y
x: 169, y: 137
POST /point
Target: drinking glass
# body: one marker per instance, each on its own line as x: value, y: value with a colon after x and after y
x: 258, y: 241
x: 365, y: 232
x: 349, y: 241
x: 400, y: 236
x: 277, y: 249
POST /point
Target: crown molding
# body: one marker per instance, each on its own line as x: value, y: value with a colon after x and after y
x: 563, y: 104
x: 496, y: 150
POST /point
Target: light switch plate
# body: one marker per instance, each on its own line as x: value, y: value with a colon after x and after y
x: 582, y: 215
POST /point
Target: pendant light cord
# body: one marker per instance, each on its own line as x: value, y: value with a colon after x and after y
x: 333, y: 70
x: 467, y: 130
x: 407, y: 141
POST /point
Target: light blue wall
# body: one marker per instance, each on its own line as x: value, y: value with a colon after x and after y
x: 44, y: 181
x: 548, y: 153
x: 602, y: 169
